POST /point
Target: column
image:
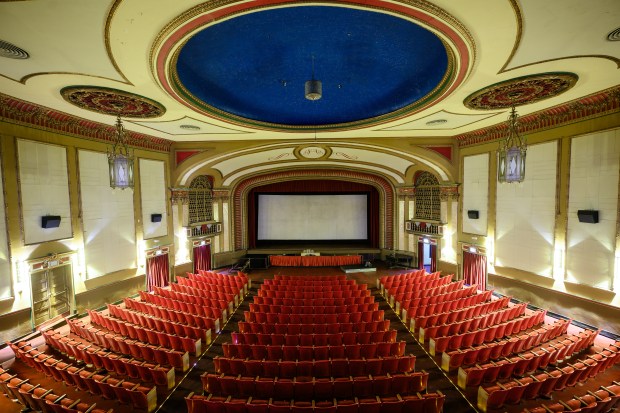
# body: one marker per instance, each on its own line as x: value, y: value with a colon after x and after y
x: 180, y: 219
x: 449, y: 196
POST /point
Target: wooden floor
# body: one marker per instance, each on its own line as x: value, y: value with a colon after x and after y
x: 457, y: 400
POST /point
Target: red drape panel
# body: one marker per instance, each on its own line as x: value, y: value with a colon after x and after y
x: 313, y: 261
x: 157, y: 272
x: 420, y: 255
x: 202, y: 258
x: 475, y: 269
x: 317, y: 186
x: 433, y: 250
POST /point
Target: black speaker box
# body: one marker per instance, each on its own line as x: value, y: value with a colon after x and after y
x: 50, y: 221
x: 155, y: 217
x: 473, y: 214
x: 588, y: 216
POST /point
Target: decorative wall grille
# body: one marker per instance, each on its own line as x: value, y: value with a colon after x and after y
x: 427, y: 202
x: 200, y: 200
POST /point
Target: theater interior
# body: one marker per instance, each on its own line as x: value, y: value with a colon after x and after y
x: 353, y: 206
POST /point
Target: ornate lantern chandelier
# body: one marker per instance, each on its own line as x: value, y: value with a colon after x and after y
x: 120, y: 160
x: 512, y: 151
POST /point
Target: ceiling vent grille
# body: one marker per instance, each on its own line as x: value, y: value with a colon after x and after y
x: 11, y: 51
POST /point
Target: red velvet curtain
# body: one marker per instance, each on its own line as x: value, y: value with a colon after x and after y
x: 320, y: 187
x: 157, y: 272
x: 433, y: 249
x: 202, y: 258
x: 420, y: 255
x: 475, y: 269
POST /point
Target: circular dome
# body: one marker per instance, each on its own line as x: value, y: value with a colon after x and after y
x: 254, y: 66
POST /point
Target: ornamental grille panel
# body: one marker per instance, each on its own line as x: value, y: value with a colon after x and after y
x: 200, y: 200
x: 427, y: 202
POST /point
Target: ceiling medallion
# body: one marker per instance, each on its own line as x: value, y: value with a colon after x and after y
x: 313, y: 152
x: 112, y: 102
x: 521, y: 91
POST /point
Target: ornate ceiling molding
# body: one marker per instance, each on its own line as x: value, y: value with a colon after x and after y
x: 40, y: 117
x: 114, y: 102
x: 592, y: 106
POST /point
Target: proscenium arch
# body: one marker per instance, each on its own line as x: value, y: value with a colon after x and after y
x: 383, y: 186
x: 422, y: 158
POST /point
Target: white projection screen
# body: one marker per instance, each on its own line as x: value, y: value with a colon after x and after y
x: 312, y: 217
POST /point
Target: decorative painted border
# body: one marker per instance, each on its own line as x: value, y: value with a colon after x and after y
x: 29, y: 114
x: 240, y: 192
x: 588, y: 107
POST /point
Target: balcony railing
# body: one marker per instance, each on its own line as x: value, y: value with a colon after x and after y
x: 204, y: 230
x: 424, y: 227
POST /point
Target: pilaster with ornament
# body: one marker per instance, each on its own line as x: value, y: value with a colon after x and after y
x: 180, y: 212
x: 220, y: 195
x: 449, y: 196
x: 406, y: 196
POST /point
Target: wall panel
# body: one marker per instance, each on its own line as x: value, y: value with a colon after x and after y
x: 153, y: 193
x: 475, y: 193
x: 108, y: 218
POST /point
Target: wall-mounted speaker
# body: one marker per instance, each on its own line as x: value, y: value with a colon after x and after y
x: 473, y: 214
x: 588, y: 216
x: 50, y: 221
x: 155, y: 217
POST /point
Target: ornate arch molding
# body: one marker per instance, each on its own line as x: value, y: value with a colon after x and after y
x: 385, y: 188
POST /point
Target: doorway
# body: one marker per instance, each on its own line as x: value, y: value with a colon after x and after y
x: 427, y: 254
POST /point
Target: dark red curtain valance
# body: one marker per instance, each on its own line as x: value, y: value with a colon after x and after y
x: 317, y: 186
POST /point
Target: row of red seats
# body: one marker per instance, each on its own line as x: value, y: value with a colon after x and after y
x: 310, y: 277
x: 319, y: 288
x: 389, y: 280
x: 458, y: 314
x: 489, y: 334
x: 503, y: 348
x: 223, y: 274
x: 302, y: 339
x: 406, y: 289
x: 353, y: 351
x: 37, y: 398
x: 304, y: 282
x: 219, y: 307
x: 329, y: 293
x: 526, y: 362
x: 332, y: 328
x: 217, y: 285
x: 414, y: 303
x: 279, y: 318
x: 240, y: 280
x: 313, y: 301
x: 315, y: 368
x: 182, y: 307
x: 421, y: 403
x: 404, y: 293
x: 155, y: 323
x: 207, y: 298
x: 473, y: 324
x: 165, y: 313
x: 146, y: 335
x: 531, y: 387
x: 109, y: 387
x: 469, y: 339
x: 445, y: 306
x: 605, y: 399
x: 308, y: 388
x: 101, y: 359
x: 177, y: 359
x: 200, y: 289
x: 319, y: 309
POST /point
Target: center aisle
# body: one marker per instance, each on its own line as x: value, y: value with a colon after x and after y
x: 299, y: 370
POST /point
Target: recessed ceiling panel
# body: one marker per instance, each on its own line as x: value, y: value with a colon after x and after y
x: 254, y: 66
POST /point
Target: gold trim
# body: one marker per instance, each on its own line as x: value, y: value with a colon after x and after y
x: 67, y: 91
x: 108, y: 45
x: 5, y: 207
x: 515, y: 46
x: 297, y: 152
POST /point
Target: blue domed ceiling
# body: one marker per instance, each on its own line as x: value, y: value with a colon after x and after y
x: 254, y: 66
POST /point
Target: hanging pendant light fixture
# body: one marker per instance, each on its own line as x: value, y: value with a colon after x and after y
x: 120, y: 160
x: 314, y: 88
x: 511, y: 153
